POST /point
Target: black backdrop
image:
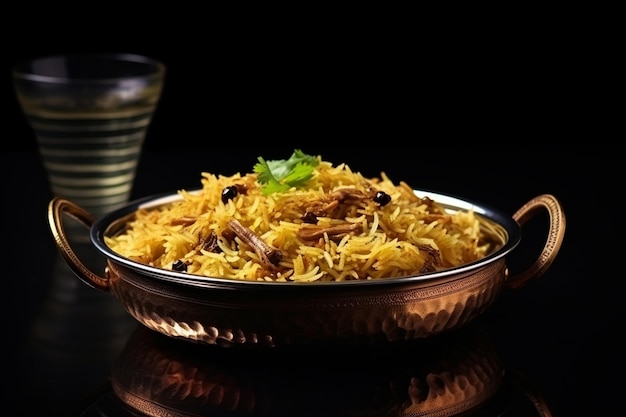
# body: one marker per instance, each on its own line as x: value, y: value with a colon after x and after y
x: 494, y: 131
x: 296, y: 83
x: 476, y: 120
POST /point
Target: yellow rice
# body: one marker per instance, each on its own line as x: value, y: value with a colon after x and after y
x: 408, y: 236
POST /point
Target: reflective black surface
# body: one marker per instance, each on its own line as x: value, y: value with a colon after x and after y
x: 457, y: 374
x: 558, y: 338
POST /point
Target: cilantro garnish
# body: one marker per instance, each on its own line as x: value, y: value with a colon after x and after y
x: 279, y: 175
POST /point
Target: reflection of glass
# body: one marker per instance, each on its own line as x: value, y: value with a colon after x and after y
x: 76, y: 335
x: 90, y: 114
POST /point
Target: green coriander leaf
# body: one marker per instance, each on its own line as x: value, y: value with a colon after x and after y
x: 279, y: 175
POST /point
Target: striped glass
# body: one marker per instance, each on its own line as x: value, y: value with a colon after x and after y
x: 90, y: 114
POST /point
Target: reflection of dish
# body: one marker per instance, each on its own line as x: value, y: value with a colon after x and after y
x: 449, y: 374
x: 510, y: 400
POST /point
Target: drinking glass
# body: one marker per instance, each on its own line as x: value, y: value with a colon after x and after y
x: 90, y: 114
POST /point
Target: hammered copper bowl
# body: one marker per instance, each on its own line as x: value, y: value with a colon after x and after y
x: 227, y: 312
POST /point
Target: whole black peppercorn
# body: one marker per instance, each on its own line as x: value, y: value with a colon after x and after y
x: 309, y: 217
x: 229, y: 193
x: 179, y: 266
x: 382, y: 198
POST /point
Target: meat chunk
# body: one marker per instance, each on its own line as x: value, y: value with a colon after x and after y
x: 270, y: 257
x: 309, y: 232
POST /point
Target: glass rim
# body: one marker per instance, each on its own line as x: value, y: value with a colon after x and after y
x: 154, y: 68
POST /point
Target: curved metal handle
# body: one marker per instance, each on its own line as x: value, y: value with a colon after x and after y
x: 56, y: 208
x: 529, y: 389
x: 556, y: 233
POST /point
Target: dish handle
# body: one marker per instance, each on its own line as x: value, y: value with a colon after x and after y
x: 57, y: 207
x: 553, y: 242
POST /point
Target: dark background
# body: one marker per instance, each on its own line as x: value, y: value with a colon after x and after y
x: 297, y: 82
x: 479, y: 122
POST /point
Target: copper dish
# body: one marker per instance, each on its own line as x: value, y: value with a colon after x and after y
x: 226, y: 312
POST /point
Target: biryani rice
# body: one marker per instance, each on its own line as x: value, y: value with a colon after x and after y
x: 408, y: 236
